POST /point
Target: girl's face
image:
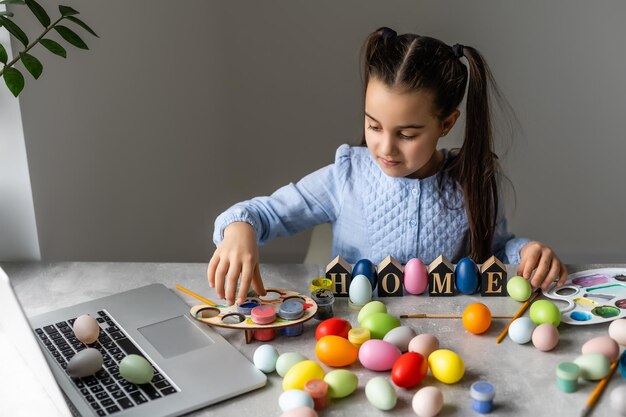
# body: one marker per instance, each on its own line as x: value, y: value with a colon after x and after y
x: 402, y: 131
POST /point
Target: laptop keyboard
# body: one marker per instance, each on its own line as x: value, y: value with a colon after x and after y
x: 107, y: 392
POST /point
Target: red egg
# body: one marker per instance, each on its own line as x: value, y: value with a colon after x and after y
x: 409, y: 370
x: 334, y: 326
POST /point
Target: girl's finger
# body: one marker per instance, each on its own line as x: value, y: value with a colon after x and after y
x: 220, y: 277
x: 215, y: 260
x: 555, y: 268
x: 257, y: 281
x: 543, y: 267
x: 231, y: 282
x: 246, y: 278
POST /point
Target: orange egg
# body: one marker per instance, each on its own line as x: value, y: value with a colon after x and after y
x: 336, y: 351
x: 477, y: 318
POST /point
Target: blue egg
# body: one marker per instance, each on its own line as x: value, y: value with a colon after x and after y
x: 365, y: 267
x: 466, y: 276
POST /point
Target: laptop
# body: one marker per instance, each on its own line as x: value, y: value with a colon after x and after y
x: 193, y: 365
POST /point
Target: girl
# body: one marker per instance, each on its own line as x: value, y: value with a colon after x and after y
x: 396, y: 194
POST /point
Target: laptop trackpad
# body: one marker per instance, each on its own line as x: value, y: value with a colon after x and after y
x: 175, y: 336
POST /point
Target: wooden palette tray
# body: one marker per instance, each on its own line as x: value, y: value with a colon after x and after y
x: 229, y: 316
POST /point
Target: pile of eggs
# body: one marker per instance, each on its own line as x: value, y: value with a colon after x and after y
x: 380, y: 343
x: 540, y: 327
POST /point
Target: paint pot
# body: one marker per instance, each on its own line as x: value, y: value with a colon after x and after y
x: 324, y: 299
x: 567, y: 374
x: 482, y: 394
x: 264, y: 335
x: 295, y: 330
x: 318, y: 390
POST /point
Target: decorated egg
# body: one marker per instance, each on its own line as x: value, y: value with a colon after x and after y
x: 300, y: 412
x: 379, y: 324
x: 287, y: 360
x: 427, y: 402
x: 300, y: 373
x: 425, y: 344
x: 335, y: 326
x: 466, y: 276
x: 617, y: 331
x: 617, y: 399
x: 593, y: 366
x: 335, y: 351
x: 477, y: 318
x: 136, y: 369
x: 341, y: 383
x: 365, y: 267
x: 84, y: 363
x: 409, y: 370
x: 446, y: 366
x: 294, y: 398
x: 371, y: 308
x: 519, y: 288
x: 265, y: 357
x: 400, y: 337
x: 544, y: 311
x: 378, y: 355
x: 521, y: 330
x: 86, y: 329
x: 603, y: 344
x: 380, y: 393
x: 360, y: 291
x: 545, y: 337
x: 415, y: 276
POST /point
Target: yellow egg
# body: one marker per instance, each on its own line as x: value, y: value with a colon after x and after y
x: 301, y: 373
x: 446, y: 366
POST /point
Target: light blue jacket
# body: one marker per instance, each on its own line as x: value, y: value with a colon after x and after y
x: 372, y: 214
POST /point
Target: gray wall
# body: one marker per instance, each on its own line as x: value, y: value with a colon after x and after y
x: 178, y: 111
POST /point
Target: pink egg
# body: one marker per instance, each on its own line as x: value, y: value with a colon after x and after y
x: 86, y: 329
x: 415, y: 276
x: 378, y: 355
x: 300, y: 412
x: 604, y: 345
x: 424, y: 344
x: 545, y: 337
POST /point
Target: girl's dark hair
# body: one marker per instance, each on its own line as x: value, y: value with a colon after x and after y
x: 411, y: 62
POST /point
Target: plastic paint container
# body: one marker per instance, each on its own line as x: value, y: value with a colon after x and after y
x: 295, y: 330
x: 264, y: 335
x: 324, y: 299
x: 263, y: 314
x: 482, y: 394
x: 567, y: 374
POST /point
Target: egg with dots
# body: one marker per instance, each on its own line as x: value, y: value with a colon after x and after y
x: 425, y: 344
x: 446, y: 365
x: 335, y: 351
x: 415, y: 276
x: 333, y: 326
x: 378, y: 355
x: 300, y: 373
x: 367, y: 268
x: 466, y: 276
x: 86, y: 329
x: 409, y: 370
x: 427, y: 402
x: 604, y: 345
x: 545, y: 337
x: 617, y: 331
x: 477, y: 318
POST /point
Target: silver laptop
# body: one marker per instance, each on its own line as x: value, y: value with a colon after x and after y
x: 193, y: 365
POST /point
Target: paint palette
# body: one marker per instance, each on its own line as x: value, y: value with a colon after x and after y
x: 240, y: 316
x: 592, y: 296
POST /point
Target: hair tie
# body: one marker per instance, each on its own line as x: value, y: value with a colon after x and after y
x: 388, y: 33
x: 457, y: 50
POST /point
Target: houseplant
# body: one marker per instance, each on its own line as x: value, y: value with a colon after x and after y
x: 13, y: 77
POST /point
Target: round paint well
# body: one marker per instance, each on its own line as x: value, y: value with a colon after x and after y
x: 207, y: 313
x: 605, y: 311
x: 620, y: 277
x: 233, y: 318
x: 271, y: 295
x: 621, y: 303
x: 565, y: 291
x: 580, y: 316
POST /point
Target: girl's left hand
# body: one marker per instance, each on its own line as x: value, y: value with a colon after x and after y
x: 547, y: 266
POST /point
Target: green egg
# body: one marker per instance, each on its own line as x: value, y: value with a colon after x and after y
x: 341, y: 383
x: 593, y: 366
x: 519, y: 288
x: 379, y: 324
x: 287, y: 360
x: 380, y: 393
x: 371, y: 308
x: 136, y: 369
x: 544, y: 311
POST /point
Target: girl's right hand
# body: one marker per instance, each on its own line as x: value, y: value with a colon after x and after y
x: 236, y: 255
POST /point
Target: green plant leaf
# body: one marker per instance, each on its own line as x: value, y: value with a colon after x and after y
x: 14, y: 30
x: 54, y: 47
x: 3, y: 55
x: 6, y: 13
x: 70, y: 36
x: 32, y: 64
x: 82, y: 24
x: 14, y: 80
x: 12, y: 2
x: 67, y: 11
x: 39, y: 12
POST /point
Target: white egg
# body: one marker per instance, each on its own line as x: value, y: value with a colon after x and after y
x: 617, y: 331
x: 427, y: 402
x: 400, y: 337
x: 294, y: 398
x: 360, y: 291
x: 618, y: 400
x: 265, y: 357
x: 86, y: 329
x: 521, y: 330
